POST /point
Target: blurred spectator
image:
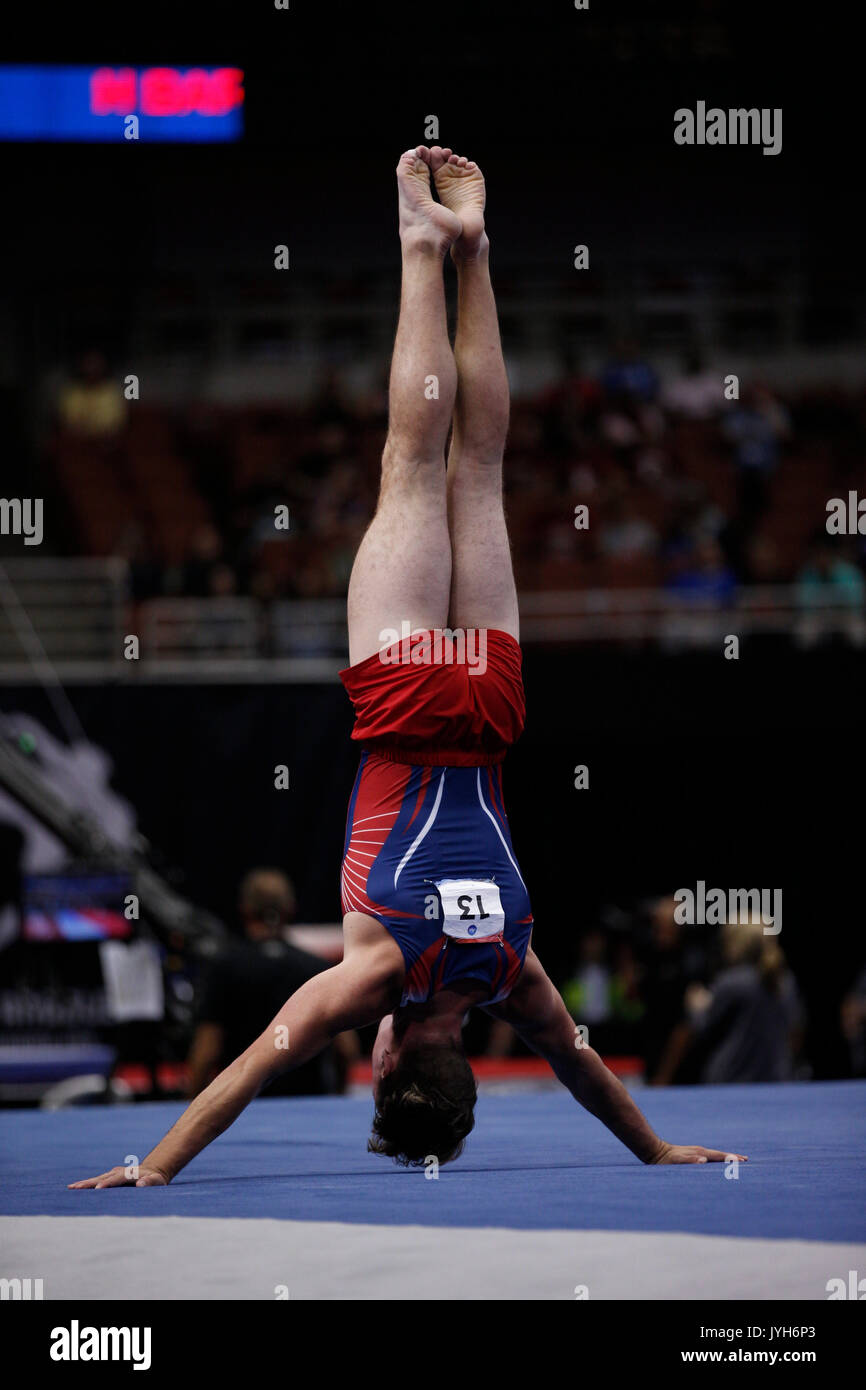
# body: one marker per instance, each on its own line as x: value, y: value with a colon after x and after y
x: 626, y: 997
x: 632, y: 428
x: 569, y: 410
x: 748, y: 1025
x: 755, y: 429
x: 144, y: 572
x: 245, y: 987
x: 852, y: 1016
x: 761, y: 561
x: 692, y: 515
x: 650, y: 468
x: 204, y: 561
x: 587, y: 991
x: 829, y: 581
x: 338, y: 503
x: 628, y: 375
x: 696, y: 394
x: 625, y: 534
x: 671, y: 961
x: 203, y: 440
x: 91, y: 403
x: 603, y: 993
x: 703, y: 574
x: 222, y: 582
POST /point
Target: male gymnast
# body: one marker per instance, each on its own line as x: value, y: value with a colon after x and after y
x: 437, y: 916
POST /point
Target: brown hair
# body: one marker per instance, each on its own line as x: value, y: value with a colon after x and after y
x: 745, y: 943
x: 266, y: 895
x: 425, y: 1107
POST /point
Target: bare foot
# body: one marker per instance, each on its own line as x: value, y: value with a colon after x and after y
x: 460, y: 185
x: 423, y: 221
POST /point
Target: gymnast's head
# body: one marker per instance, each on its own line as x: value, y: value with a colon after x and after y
x: 425, y: 1095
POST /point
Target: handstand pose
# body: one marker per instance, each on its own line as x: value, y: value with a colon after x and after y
x: 437, y: 916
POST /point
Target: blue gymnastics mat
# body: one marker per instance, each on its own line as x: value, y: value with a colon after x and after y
x: 534, y: 1162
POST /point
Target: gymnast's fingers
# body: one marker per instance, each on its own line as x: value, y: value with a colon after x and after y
x: 695, y: 1153
x: 116, y: 1177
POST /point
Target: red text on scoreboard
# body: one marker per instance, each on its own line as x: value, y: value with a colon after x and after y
x: 166, y: 91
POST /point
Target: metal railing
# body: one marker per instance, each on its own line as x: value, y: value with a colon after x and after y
x: 66, y: 612
x: 673, y: 620
x: 72, y: 617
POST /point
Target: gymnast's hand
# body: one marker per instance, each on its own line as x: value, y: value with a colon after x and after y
x: 122, y: 1177
x: 693, y: 1153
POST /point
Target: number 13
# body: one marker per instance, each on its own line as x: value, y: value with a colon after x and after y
x: 464, y: 902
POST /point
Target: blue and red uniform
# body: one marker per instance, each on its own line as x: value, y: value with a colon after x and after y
x: 428, y: 850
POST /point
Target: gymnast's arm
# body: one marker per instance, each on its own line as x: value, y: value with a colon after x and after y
x: 538, y: 1015
x: 358, y: 991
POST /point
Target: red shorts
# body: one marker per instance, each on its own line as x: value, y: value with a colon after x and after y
x: 428, y: 701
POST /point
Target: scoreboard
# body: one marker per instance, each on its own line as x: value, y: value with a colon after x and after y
x: 95, y: 103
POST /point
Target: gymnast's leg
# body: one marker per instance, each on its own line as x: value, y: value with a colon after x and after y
x: 402, y: 571
x: 483, y: 593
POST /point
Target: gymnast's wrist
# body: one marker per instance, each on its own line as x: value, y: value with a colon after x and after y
x: 658, y: 1153
x: 165, y: 1170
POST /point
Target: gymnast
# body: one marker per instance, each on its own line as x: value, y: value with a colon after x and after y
x: 437, y: 917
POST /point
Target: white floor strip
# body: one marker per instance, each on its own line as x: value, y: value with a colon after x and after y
x: 106, y: 1257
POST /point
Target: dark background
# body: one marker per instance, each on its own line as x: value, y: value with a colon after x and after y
x: 570, y: 112
x: 744, y: 772
x: 735, y: 772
